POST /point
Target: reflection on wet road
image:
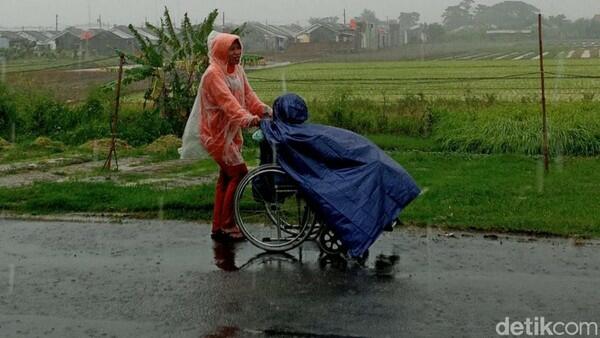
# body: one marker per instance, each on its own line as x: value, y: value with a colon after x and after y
x: 154, y: 279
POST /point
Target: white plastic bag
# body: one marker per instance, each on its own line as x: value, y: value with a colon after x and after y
x: 191, y: 149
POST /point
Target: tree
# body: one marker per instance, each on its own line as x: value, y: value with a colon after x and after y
x: 434, y: 32
x: 458, y: 16
x: 506, y: 15
x: 580, y: 28
x: 369, y: 16
x: 594, y: 31
x: 408, y: 20
x: 558, y: 21
x: 558, y: 26
x: 330, y: 20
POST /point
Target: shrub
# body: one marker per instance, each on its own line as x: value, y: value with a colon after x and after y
x: 164, y: 144
x: 8, y: 112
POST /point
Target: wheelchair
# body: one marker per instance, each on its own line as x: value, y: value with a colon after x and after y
x: 273, y: 213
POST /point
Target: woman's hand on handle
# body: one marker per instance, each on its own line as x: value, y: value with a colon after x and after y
x: 267, y: 112
x: 255, y: 122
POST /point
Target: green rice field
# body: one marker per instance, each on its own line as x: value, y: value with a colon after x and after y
x: 566, y: 79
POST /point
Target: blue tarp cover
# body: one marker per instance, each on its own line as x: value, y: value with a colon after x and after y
x: 354, y: 187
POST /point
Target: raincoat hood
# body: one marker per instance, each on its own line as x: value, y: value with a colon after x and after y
x: 290, y: 108
x: 218, y: 48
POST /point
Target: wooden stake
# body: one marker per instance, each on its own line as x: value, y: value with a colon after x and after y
x: 544, y: 116
x: 113, y: 124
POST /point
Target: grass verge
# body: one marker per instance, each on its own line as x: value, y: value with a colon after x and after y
x: 461, y: 191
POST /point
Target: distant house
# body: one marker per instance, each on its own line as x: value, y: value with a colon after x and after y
x: 123, y: 32
x: 148, y: 34
x: 105, y: 42
x: 93, y: 41
x: 41, y: 39
x: 127, y: 37
x: 367, y: 35
x: 396, y: 35
x: 4, y: 43
x: 261, y: 37
x: 290, y: 31
x: 32, y: 37
x: 318, y: 33
x: 16, y: 40
x: 67, y: 40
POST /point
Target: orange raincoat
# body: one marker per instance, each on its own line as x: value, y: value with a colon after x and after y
x: 228, y: 104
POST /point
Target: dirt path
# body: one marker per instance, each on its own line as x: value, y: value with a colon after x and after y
x: 64, y: 169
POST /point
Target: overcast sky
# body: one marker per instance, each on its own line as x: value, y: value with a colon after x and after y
x: 17, y: 13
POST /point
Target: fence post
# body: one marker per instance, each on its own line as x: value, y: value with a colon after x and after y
x: 115, y: 118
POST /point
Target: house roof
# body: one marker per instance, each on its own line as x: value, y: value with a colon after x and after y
x: 31, y: 36
x: 292, y: 29
x: 122, y: 34
x: 49, y: 34
x: 283, y: 31
x: 270, y: 30
x: 146, y: 33
x: 317, y: 26
x: 12, y: 36
x: 72, y: 32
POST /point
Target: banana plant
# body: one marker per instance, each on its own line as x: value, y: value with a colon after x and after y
x: 173, y: 65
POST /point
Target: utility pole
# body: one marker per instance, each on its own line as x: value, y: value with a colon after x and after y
x: 56, y: 23
x: 344, y: 17
x: 544, y: 115
x: 223, y: 20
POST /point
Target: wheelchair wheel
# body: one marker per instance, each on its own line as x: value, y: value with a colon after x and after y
x: 329, y: 242
x: 271, y: 211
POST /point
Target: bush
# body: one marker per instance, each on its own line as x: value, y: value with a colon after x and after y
x: 4, y: 144
x: 407, y: 116
x: 42, y: 115
x: 164, y: 144
x: 36, y: 114
x: 45, y: 143
x: 574, y: 129
x: 102, y: 146
x: 8, y: 112
x: 474, y: 124
x: 139, y: 127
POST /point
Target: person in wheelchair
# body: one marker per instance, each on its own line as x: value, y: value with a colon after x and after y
x: 263, y: 187
x: 353, y: 186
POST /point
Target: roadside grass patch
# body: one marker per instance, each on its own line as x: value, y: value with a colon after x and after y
x: 460, y: 191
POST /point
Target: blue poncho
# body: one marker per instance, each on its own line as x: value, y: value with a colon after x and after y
x: 354, y: 187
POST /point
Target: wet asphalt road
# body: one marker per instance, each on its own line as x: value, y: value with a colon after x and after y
x: 167, y: 279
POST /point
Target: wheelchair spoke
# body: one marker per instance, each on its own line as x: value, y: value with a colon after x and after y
x: 270, y: 210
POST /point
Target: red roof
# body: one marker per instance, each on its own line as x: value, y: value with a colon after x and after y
x: 87, y: 35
